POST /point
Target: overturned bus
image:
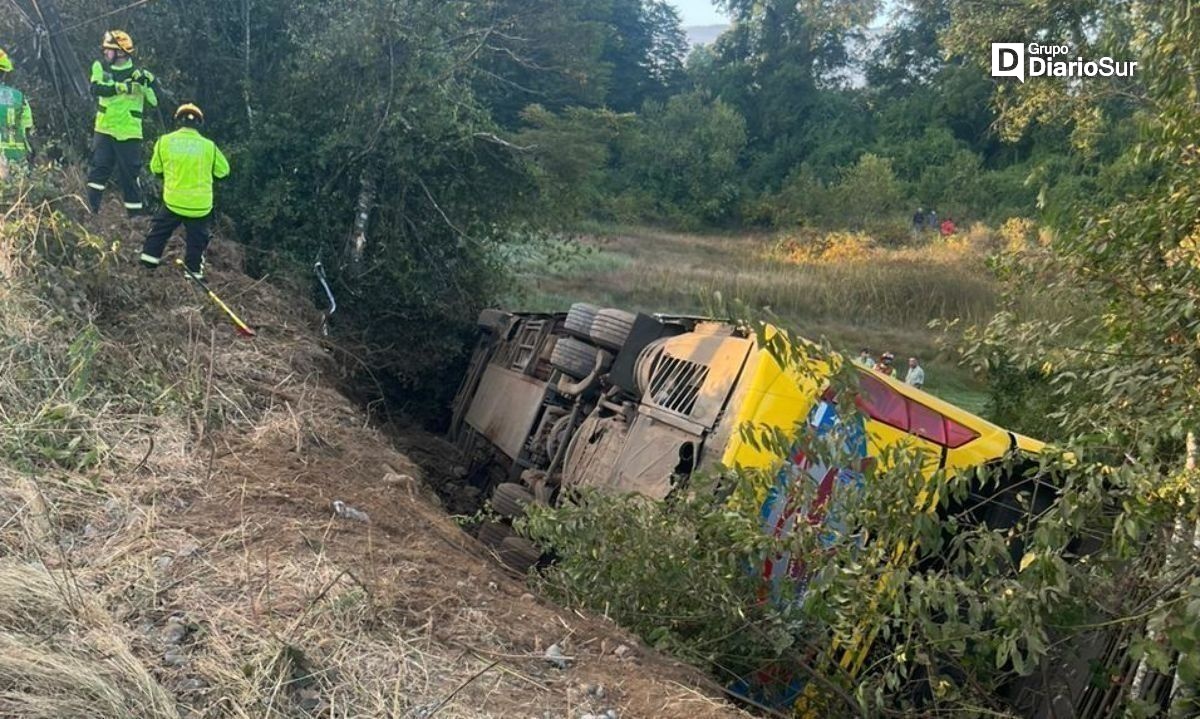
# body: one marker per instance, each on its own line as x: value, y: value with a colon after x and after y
x: 636, y: 403
x: 626, y: 402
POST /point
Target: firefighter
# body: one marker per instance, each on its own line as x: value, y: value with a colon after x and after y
x: 188, y: 162
x: 122, y: 90
x: 16, y: 119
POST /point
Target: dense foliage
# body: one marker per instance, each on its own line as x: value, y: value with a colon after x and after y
x: 371, y: 135
x: 818, y: 86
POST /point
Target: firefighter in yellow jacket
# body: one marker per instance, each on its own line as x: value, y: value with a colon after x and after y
x: 188, y: 163
x: 122, y: 91
x: 16, y: 119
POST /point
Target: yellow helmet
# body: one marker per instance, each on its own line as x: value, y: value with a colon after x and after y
x: 190, y: 112
x: 118, y: 40
x: 5, y: 63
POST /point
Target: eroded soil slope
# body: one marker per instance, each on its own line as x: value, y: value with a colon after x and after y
x: 194, y: 565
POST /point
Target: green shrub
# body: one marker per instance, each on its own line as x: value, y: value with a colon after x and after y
x: 867, y: 191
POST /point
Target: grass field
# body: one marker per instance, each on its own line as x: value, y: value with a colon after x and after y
x: 885, y: 302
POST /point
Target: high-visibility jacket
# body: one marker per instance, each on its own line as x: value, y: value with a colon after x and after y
x: 122, y: 91
x: 16, y: 120
x: 188, y: 162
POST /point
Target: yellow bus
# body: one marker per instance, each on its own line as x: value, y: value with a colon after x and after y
x: 636, y: 403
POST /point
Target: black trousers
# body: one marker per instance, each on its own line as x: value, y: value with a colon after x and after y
x: 122, y: 158
x: 161, y: 229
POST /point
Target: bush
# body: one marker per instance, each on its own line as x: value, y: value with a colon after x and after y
x: 833, y: 248
x: 890, y: 231
x: 866, y: 192
x: 802, y: 200
x: 1018, y: 234
x: 982, y: 239
x: 866, y: 195
x: 953, y: 185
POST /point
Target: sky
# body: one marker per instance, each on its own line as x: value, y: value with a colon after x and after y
x: 699, y: 12
x: 703, y: 12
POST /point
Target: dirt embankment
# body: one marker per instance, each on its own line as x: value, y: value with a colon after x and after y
x: 199, y: 570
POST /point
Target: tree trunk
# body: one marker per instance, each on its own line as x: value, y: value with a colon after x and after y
x: 247, y: 92
x: 1174, y: 550
x: 356, y: 247
x: 1183, y: 696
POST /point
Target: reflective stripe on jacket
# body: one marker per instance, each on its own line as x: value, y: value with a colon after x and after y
x: 121, y: 101
x: 188, y: 162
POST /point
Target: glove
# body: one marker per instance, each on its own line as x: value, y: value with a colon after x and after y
x: 125, y: 88
x: 143, y: 77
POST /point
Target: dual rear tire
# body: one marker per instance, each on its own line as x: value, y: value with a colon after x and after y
x: 611, y: 328
x: 510, y: 500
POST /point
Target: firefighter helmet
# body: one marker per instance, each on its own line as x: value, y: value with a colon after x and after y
x: 118, y: 40
x: 5, y: 63
x: 190, y: 112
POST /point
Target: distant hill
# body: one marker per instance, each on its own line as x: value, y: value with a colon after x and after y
x: 704, y: 34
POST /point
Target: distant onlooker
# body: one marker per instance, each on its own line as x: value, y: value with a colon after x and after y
x: 916, y: 375
x: 948, y: 227
x: 932, y: 220
x: 918, y: 220
x: 865, y: 358
x: 886, y: 365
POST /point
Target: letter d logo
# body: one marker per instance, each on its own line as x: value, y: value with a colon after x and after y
x: 1008, y: 60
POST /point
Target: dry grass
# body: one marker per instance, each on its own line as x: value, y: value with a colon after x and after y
x: 61, y: 655
x: 840, y: 278
x: 165, y: 495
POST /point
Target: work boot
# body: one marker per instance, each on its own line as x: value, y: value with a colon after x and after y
x: 94, y: 197
x: 198, y: 274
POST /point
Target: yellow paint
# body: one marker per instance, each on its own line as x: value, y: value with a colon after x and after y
x: 783, y: 398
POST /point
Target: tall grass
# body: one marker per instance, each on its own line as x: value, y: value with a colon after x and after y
x: 838, y: 278
x: 61, y: 655
x: 903, y: 293
x: 849, y: 288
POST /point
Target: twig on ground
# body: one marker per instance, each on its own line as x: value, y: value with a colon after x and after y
x: 462, y: 685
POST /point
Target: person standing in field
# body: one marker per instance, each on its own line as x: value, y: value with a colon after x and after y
x: 918, y: 220
x: 886, y: 364
x: 188, y: 163
x: 865, y: 358
x: 122, y: 92
x: 916, y: 374
x: 932, y: 221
